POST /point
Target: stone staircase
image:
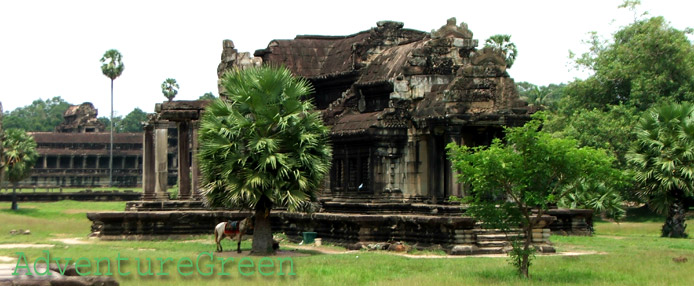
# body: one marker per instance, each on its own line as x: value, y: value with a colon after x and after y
x: 495, y: 241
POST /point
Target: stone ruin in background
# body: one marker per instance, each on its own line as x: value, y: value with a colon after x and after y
x: 80, y: 119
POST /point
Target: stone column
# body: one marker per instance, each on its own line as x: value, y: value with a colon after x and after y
x: 183, y: 160
x: 72, y: 161
x: 160, y: 160
x: 148, y: 169
x: 195, y: 169
x: 45, y: 161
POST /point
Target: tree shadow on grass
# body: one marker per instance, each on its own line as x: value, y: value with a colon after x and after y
x: 32, y: 212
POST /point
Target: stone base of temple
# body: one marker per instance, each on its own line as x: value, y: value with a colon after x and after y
x: 353, y: 225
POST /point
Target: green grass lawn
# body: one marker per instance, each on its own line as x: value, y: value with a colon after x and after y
x: 629, y: 253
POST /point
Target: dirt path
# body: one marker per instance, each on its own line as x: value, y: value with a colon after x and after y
x: 24, y: 245
x: 72, y: 241
x: 324, y: 250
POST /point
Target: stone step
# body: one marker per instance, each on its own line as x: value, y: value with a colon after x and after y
x: 496, y: 236
x: 490, y: 250
x: 483, y: 244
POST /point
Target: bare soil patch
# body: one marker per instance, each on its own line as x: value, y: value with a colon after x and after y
x: 72, y: 241
x: 24, y: 245
x: 77, y: 211
x: 279, y: 253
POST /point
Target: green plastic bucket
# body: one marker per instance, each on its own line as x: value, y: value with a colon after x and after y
x: 309, y: 237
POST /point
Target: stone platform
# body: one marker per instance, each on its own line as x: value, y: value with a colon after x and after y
x: 454, y: 234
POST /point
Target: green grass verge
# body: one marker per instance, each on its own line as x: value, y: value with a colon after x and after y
x: 630, y: 253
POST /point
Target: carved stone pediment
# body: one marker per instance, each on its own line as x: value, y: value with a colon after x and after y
x: 451, y: 30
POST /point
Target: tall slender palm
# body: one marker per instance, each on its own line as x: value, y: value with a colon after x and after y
x: 503, y: 43
x: 112, y: 67
x: 263, y: 146
x: 19, y: 157
x: 663, y: 160
x: 169, y: 88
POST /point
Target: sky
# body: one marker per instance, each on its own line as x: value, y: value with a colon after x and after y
x: 53, y: 48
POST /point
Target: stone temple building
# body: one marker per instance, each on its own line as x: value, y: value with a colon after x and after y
x: 394, y: 98
x: 77, y: 154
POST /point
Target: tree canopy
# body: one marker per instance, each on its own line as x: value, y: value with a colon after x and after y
x: 262, y: 147
x: 169, y: 88
x: 40, y: 115
x: 531, y: 170
x: 19, y: 156
x: 207, y: 96
x: 663, y: 160
x: 112, y: 64
x: 132, y: 122
x: 646, y: 62
x: 503, y: 43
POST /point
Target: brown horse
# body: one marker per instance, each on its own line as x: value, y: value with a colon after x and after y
x: 232, y: 229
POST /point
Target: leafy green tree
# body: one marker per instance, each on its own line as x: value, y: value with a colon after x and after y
x: 531, y: 171
x: 503, y: 43
x: 546, y: 97
x: 133, y: 121
x: 611, y: 130
x: 169, y: 88
x: 263, y: 147
x: 19, y: 157
x: 663, y: 162
x: 646, y: 62
x: 112, y: 67
x: 40, y: 115
x: 117, y: 123
x: 207, y: 96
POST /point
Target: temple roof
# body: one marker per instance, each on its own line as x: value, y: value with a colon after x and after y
x: 314, y: 56
x: 355, y: 123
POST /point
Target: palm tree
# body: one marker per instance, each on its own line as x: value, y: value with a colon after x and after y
x: 169, y: 88
x: 663, y: 161
x: 263, y: 146
x: 19, y: 157
x: 503, y: 43
x: 112, y: 67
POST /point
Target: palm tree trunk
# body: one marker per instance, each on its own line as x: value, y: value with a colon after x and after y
x: 14, y: 197
x: 675, y: 223
x: 262, y: 231
x: 110, y: 156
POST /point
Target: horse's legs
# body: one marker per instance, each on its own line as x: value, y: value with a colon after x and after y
x: 238, y: 245
x: 216, y: 240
